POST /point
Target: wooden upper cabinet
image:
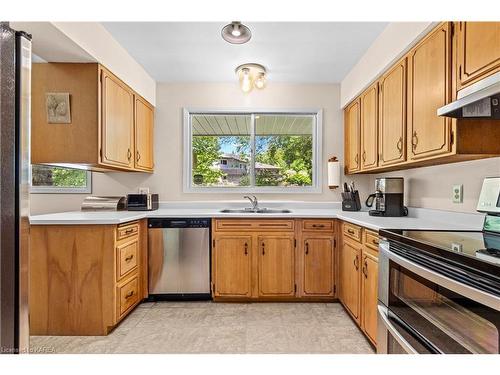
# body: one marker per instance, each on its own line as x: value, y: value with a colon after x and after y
x: 276, y: 265
x: 144, y: 123
x: 369, y: 128
x: 232, y: 266
x: 392, y: 115
x: 318, y: 265
x: 110, y: 126
x: 352, y: 136
x: 350, y: 261
x: 429, y: 88
x: 478, y: 51
x: 117, y: 142
x: 369, y: 295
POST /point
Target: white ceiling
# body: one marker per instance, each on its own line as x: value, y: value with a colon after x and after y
x: 292, y: 51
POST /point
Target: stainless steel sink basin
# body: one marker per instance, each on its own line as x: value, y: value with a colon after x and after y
x: 256, y: 211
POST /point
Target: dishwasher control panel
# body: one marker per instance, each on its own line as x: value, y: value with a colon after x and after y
x: 179, y: 223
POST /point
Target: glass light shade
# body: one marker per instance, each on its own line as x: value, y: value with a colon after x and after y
x: 246, y: 82
x: 260, y: 82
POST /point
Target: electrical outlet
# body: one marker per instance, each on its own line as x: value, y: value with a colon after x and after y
x: 143, y: 190
x: 458, y: 193
x: 458, y: 247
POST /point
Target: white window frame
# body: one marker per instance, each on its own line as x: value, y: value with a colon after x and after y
x: 61, y: 190
x: 317, y: 178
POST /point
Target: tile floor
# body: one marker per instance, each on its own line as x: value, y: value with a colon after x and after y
x: 207, y: 327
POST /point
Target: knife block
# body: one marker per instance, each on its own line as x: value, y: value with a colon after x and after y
x: 350, y: 201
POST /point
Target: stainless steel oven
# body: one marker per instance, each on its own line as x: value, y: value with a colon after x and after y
x: 432, y: 302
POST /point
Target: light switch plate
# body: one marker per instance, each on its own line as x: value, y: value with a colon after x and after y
x: 457, y: 194
x: 143, y: 190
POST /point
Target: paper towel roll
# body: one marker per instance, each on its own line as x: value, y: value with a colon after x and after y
x: 333, y: 173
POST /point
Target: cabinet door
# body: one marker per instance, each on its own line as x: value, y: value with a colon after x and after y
x: 144, y: 121
x: 232, y: 266
x: 117, y: 122
x: 369, y: 295
x: 352, y: 136
x: 478, y: 56
x: 276, y: 265
x: 318, y: 255
x: 350, y: 260
x: 429, y: 87
x: 369, y: 128
x: 392, y: 116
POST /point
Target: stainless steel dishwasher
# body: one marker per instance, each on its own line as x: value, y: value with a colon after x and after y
x: 179, y: 259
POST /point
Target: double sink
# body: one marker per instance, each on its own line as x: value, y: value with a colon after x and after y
x: 255, y: 209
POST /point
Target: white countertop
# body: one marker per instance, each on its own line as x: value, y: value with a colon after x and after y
x: 418, y: 218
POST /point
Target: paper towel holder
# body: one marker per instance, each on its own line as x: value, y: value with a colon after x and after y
x: 333, y: 173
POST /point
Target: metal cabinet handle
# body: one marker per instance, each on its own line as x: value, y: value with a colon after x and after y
x: 364, y: 155
x: 356, y: 159
x: 246, y: 248
x: 138, y: 157
x: 129, y: 258
x: 263, y: 248
x: 318, y: 225
x: 399, y: 145
x: 375, y: 242
x: 356, y: 263
x: 414, y: 140
x: 128, y: 231
x: 129, y: 294
x: 350, y: 231
x: 365, y: 269
x: 129, y: 154
x: 307, y: 248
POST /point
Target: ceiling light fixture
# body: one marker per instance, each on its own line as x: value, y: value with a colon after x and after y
x: 250, y: 76
x: 236, y: 33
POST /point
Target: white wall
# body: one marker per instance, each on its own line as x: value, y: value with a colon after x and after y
x: 396, y: 39
x: 171, y: 99
x: 88, y: 42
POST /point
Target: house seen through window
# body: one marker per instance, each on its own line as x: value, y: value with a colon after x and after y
x: 253, y: 150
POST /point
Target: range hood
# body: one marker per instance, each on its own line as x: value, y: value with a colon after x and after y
x: 479, y: 100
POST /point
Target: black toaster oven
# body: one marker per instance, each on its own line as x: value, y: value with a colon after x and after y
x: 142, y: 202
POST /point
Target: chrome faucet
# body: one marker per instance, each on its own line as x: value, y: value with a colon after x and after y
x: 253, y: 201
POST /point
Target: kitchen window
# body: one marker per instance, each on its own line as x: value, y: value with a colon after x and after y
x: 51, y: 179
x: 252, y: 151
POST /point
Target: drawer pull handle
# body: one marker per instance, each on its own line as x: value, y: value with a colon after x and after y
x: 375, y: 242
x: 128, y: 231
x: 350, y: 231
x: 307, y: 248
x: 129, y: 294
x: 356, y: 263
x: 129, y: 258
x: 318, y: 225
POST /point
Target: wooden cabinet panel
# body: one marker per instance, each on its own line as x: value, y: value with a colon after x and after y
x: 128, y: 296
x: 127, y: 258
x: 144, y: 123
x: 352, y: 231
x: 117, y: 122
x: 369, y: 295
x: 317, y: 225
x: 392, y: 115
x: 370, y: 239
x: 369, y: 128
x: 254, y: 225
x: 352, y: 136
x: 350, y: 260
x: 276, y: 265
x: 232, y: 265
x: 478, y: 51
x: 318, y: 266
x: 429, y: 88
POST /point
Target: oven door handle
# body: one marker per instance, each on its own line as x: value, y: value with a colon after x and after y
x: 382, y: 312
x: 472, y: 293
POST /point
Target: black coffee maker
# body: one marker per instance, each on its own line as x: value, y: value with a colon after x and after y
x: 388, y: 197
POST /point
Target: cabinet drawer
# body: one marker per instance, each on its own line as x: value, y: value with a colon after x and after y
x: 126, y: 258
x: 318, y: 225
x: 371, y: 239
x: 352, y: 231
x: 252, y: 225
x: 128, y: 295
x: 127, y: 230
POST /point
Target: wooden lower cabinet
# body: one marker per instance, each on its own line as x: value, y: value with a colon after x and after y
x: 84, y: 279
x: 350, y: 287
x: 257, y: 259
x: 232, y: 265
x: 369, y: 295
x: 359, y: 279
